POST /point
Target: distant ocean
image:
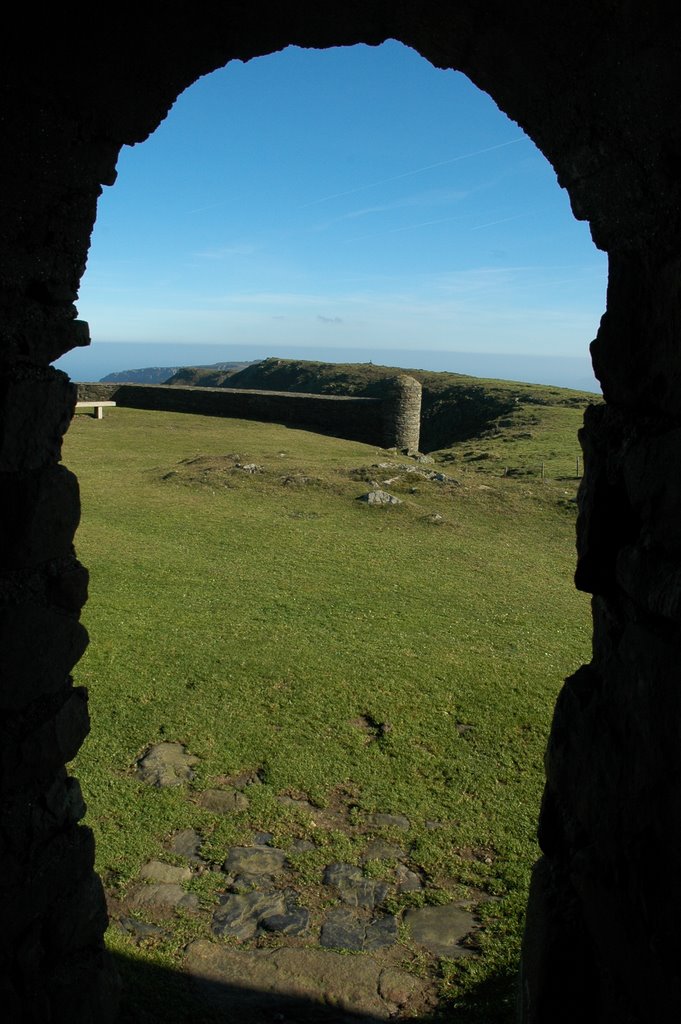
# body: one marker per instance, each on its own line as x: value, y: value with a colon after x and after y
x: 103, y: 357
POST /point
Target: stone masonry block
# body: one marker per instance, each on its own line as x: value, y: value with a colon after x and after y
x: 38, y: 648
x: 31, y: 752
x: 47, y: 870
x: 39, y: 516
x: 78, y: 918
x: 36, y: 406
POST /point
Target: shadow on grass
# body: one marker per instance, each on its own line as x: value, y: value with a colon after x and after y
x: 157, y: 995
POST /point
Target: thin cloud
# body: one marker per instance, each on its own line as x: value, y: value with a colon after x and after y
x: 433, y: 197
x: 491, y: 223
x: 212, y: 206
x: 408, y: 227
x: 329, y: 319
x: 225, y: 251
x: 416, y: 170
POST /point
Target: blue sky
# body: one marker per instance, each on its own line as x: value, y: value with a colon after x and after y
x: 354, y: 198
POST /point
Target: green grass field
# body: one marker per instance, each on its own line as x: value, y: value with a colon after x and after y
x: 264, y: 619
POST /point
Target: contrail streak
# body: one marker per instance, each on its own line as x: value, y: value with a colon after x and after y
x: 408, y: 174
x: 491, y: 223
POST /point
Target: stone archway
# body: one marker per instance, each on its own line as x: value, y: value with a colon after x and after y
x: 596, y: 88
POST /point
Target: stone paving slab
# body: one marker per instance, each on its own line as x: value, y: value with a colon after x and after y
x: 223, y: 801
x: 169, y: 895
x: 166, y: 764
x: 157, y: 871
x: 299, y: 984
x: 281, y: 945
x: 441, y: 929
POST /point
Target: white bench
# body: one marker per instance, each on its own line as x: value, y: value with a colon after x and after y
x: 97, y: 406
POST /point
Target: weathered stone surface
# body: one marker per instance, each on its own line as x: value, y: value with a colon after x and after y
x: 186, y: 843
x: 440, y: 929
x: 37, y: 668
x: 302, y: 846
x: 163, y: 894
x: 353, y: 887
x: 77, y: 918
x: 343, y: 929
x: 402, y: 989
x: 250, y: 914
x: 247, y: 883
x: 294, y: 921
x: 403, y: 420
x: 51, y: 742
x: 390, y: 821
x: 166, y: 764
x: 243, y: 780
x: 36, y: 405
x: 379, y: 497
x: 381, y: 933
x: 301, y: 984
x: 223, y: 801
x: 361, y: 419
x: 240, y: 915
x: 64, y: 799
x: 67, y: 584
x: 381, y: 849
x: 157, y: 871
x: 140, y: 930
x: 262, y: 838
x: 407, y: 881
x: 254, y: 860
x: 347, y: 929
x: 301, y: 803
x: 39, y: 516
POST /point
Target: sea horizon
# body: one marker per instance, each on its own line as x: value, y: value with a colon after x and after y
x: 102, y: 358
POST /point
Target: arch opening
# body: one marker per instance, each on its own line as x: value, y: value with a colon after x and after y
x: 473, y: 854
x: 595, y: 92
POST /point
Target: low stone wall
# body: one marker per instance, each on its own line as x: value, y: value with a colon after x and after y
x: 392, y: 422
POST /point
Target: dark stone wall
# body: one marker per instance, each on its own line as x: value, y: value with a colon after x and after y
x: 596, y: 86
x: 393, y: 422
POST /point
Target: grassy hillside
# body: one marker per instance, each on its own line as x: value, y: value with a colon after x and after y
x: 455, y: 407
x: 162, y: 374
x: 401, y: 660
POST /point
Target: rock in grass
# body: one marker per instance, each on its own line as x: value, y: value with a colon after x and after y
x: 294, y: 921
x: 344, y: 929
x: 254, y: 860
x: 164, y: 895
x: 440, y: 929
x: 166, y: 764
x: 379, y: 498
x: 353, y: 887
x: 186, y: 843
x: 381, y: 849
x: 390, y: 821
x: 139, y: 930
x: 157, y: 871
x: 223, y: 801
x: 246, y: 915
x: 240, y: 914
x: 381, y: 933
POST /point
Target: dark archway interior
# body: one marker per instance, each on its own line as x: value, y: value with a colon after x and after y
x: 596, y: 87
